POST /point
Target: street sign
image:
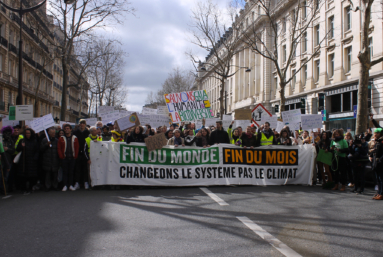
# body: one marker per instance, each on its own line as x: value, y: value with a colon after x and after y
x: 324, y: 115
x: 21, y: 112
x: 355, y: 110
x: 258, y: 111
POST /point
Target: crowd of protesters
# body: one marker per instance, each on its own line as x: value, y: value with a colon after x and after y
x: 58, y: 159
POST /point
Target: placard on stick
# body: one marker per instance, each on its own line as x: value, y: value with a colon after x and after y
x: 156, y: 142
x: 127, y: 122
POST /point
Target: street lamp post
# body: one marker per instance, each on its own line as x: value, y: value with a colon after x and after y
x: 21, y: 12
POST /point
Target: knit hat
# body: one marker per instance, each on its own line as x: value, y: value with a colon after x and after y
x: 378, y: 130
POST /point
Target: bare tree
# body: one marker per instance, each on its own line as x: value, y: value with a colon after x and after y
x: 178, y: 80
x: 366, y: 63
x: 265, y: 37
x: 211, y: 32
x: 79, y: 20
x: 105, y: 73
x: 150, y: 98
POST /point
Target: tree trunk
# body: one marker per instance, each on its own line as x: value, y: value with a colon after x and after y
x: 364, y: 72
x: 283, y: 98
x: 221, y: 98
x: 65, y: 86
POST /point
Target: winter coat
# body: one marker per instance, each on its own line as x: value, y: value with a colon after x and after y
x: 106, y: 137
x: 136, y: 138
x: 358, y: 153
x: 248, y: 142
x: 171, y: 141
x: 219, y: 137
x: 81, y: 136
x: 377, y: 156
x: 28, y: 163
x: 10, y: 143
x: 61, y: 147
x: 50, y: 156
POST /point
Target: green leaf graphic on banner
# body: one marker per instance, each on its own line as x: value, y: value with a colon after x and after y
x: 12, y: 112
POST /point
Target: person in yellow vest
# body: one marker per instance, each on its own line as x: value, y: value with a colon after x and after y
x: 116, y: 136
x: 16, y: 136
x: 266, y: 136
x: 93, y: 136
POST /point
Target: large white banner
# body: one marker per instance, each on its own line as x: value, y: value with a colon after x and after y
x: 224, y: 164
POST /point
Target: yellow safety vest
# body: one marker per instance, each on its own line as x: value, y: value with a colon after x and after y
x: 17, y: 142
x: 90, y: 138
x: 118, y: 140
x: 266, y: 141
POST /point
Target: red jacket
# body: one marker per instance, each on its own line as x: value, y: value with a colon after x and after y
x: 61, y: 147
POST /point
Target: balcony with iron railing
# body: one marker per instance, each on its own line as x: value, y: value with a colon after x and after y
x: 3, y: 42
x: 13, y: 48
x: 2, y: 106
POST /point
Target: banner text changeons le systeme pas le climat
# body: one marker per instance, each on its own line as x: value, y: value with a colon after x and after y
x: 132, y: 164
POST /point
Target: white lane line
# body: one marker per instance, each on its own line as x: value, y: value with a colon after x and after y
x: 213, y: 196
x: 281, y: 247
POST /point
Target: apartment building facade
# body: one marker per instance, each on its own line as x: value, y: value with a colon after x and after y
x: 42, y: 74
x: 328, y: 82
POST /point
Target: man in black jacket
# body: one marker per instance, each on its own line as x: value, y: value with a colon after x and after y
x: 50, y: 159
x: 219, y: 136
x: 81, y: 168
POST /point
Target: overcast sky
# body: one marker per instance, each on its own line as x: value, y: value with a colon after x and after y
x: 156, y: 41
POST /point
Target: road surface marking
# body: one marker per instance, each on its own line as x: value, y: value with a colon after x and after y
x: 213, y: 196
x: 281, y: 247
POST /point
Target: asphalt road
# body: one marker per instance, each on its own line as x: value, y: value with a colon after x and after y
x: 297, y: 220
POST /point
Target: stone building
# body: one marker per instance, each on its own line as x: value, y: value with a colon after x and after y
x: 329, y: 81
x: 42, y: 75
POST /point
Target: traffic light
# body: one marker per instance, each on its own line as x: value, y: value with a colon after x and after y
x: 321, y: 97
x: 276, y: 108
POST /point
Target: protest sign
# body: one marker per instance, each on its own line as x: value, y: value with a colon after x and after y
x: 226, y: 124
x: 280, y: 126
x: 148, y: 111
x: 226, y: 117
x: 211, y: 122
x: 110, y: 116
x: 42, y: 123
x: 270, y: 119
x: 162, y: 110
x: 91, y: 121
x: 127, y: 122
x: 104, y: 109
x: 242, y: 114
x: 7, y: 122
x: 21, y: 112
x: 258, y: 112
x: 224, y: 164
x: 156, y: 142
x: 188, y: 106
x: 311, y: 121
x: 124, y: 113
x: 292, y: 116
x: 242, y: 123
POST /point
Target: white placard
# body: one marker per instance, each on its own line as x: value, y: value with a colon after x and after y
x: 242, y: 123
x: 162, y: 110
x: 291, y: 117
x: 211, y: 122
x: 311, y: 121
x: 126, y: 122
x: 104, y: 109
x: 7, y: 122
x: 110, y: 116
x: 226, y: 117
x: 280, y: 126
x: 42, y: 123
x: 272, y: 120
x: 148, y: 111
x: 24, y: 112
x: 91, y: 121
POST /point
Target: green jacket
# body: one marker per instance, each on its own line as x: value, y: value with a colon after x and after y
x: 341, y: 144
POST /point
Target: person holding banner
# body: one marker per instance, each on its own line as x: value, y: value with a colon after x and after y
x: 136, y: 136
x: 106, y: 135
x: 27, y: 168
x: 323, y: 165
x: 248, y: 138
x: 219, y: 136
x: 340, y: 149
x: 116, y: 136
x: 176, y: 140
x: 68, y: 148
x: 284, y: 139
x: 95, y: 138
x: 203, y: 138
x: 235, y: 138
x: 266, y: 136
x: 50, y: 160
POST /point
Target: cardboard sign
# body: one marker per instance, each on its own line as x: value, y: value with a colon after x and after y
x: 189, y: 106
x: 127, y: 122
x: 156, y: 142
x: 257, y: 114
x: 242, y: 114
x: 162, y: 110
